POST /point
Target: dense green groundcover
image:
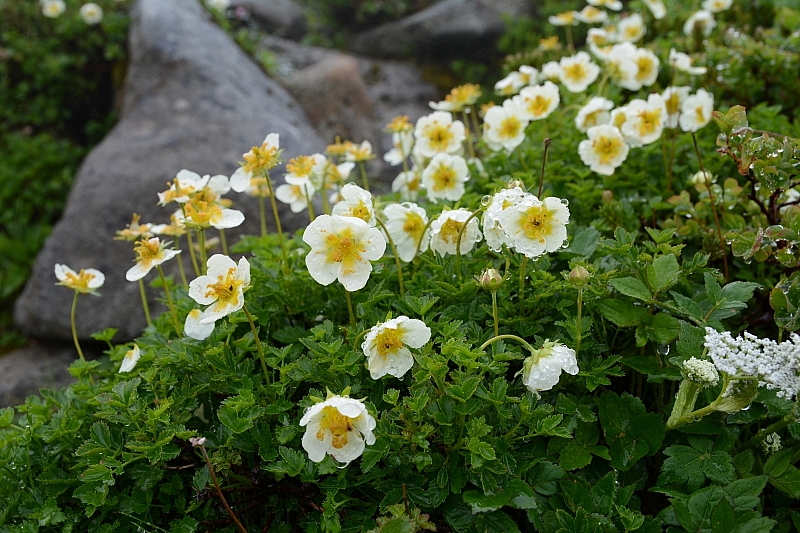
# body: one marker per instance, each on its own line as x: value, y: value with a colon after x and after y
x: 635, y: 440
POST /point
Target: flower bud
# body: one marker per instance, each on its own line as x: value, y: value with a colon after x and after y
x: 579, y: 277
x: 608, y: 196
x: 516, y: 183
x: 490, y: 279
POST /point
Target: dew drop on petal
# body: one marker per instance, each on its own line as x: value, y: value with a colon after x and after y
x: 486, y: 200
x: 565, y: 201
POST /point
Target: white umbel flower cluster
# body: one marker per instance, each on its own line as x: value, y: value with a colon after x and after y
x: 701, y: 371
x: 775, y: 365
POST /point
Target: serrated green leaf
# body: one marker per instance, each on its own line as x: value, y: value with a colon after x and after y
x: 632, y: 287
x: 663, y: 273
x: 621, y: 312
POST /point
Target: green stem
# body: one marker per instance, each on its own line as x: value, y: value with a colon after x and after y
x: 277, y: 222
x: 579, y: 323
x: 773, y: 428
x: 223, y: 242
x: 144, y: 302
x: 468, y: 134
x: 494, y: 312
x: 458, y: 241
x: 169, y: 301
x: 310, y: 200
x: 474, y: 113
x: 262, y: 212
x: 364, y: 175
x: 258, y: 343
x: 192, y: 254
x: 75, y: 331
x: 201, y: 243
x: 547, y: 142
x: 570, y: 42
x: 350, y: 308
x: 509, y: 337
x: 713, y: 208
x: 396, y: 256
x: 326, y: 205
x: 180, y: 264
x: 522, y: 268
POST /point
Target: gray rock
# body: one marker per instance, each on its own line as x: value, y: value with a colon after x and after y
x: 192, y: 100
x: 38, y: 366
x: 280, y: 17
x: 450, y: 28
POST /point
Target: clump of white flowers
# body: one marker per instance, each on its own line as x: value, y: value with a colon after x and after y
x: 701, y: 371
x: 774, y: 365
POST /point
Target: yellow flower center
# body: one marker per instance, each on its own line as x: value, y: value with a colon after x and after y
x: 449, y: 231
x: 225, y: 290
x: 444, y: 178
x: 300, y: 166
x: 536, y: 223
x: 646, y: 66
x: 345, y: 249
x: 463, y: 95
x: 79, y: 282
x: 607, y: 148
x: 439, y: 136
x: 567, y: 17
x: 338, y: 148
x: 701, y: 116
x: 413, y: 225
x: 673, y: 103
x: 575, y: 72
x: 260, y: 159
x: 592, y: 118
x: 387, y: 342
x: 148, y: 251
x: 338, y: 424
x: 510, y: 127
x: 398, y: 124
x: 649, y: 122
x: 202, y: 214
x: 361, y: 211
x: 619, y: 120
x: 360, y: 153
x: 550, y: 43
x: 632, y: 33
x: 538, y: 105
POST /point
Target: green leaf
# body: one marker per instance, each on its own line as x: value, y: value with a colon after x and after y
x: 694, y: 464
x: 631, y: 432
x: 401, y: 524
x: 584, y: 243
x: 621, y: 312
x: 663, y: 273
x: 746, y: 493
x: 662, y: 328
x: 723, y: 518
x: 480, y: 448
x: 632, y: 287
x: 574, y: 456
x: 238, y: 413
x: 294, y: 460
x: 496, y: 522
x: 631, y: 520
x: 727, y: 301
x: 604, y: 493
x: 482, y: 503
x: 6, y: 416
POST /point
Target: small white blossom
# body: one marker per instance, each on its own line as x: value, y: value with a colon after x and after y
x: 702, y: 20
x: 594, y: 113
x: 696, y: 110
x: 504, y: 126
x: 578, y: 72
x: 542, y: 370
x: 53, y: 8
x: 683, y: 63
x: 645, y: 120
x: 129, y: 361
x: 493, y: 231
x: 631, y: 28
x: 338, y: 426
x: 716, y: 6
x: 91, y: 13
x: 438, y: 133
x: 445, y: 229
x: 194, y: 329
x: 538, y: 101
x: 222, y: 288
x: 535, y: 226
x: 604, y: 150
x: 673, y: 99
x: 657, y: 8
x: 385, y: 346
x: 355, y: 202
x: 407, y: 225
x: 444, y: 177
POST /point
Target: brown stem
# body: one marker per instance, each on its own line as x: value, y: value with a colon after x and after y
x: 547, y: 142
x: 713, y: 207
x: 219, y: 491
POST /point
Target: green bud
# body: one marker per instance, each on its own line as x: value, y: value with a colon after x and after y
x: 579, y: 276
x: 490, y: 279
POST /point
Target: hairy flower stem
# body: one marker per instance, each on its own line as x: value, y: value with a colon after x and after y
x: 509, y: 337
x: 144, y: 302
x: 713, y: 208
x: 180, y: 266
x: 75, y: 331
x: 192, y: 254
x: 350, y: 308
x: 364, y: 179
x: 494, y: 313
x: 474, y: 114
x: 310, y: 199
x: 578, y: 322
x: 262, y: 213
x: 396, y: 256
x: 169, y: 301
x: 277, y: 222
x: 522, y: 268
x: 219, y: 491
x: 547, y: 142
x: 468, y: 134
x: 223, y: 242
x: 258, y: 343
x: 570, y: 42
x: 201, y: 244
x: 458, y: 241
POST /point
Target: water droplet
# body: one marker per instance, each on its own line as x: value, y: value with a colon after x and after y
x: 663, y: 349
x: 565, y: 243
x: 746, y: 408
x: 486, y: 200
x: 565, y: 201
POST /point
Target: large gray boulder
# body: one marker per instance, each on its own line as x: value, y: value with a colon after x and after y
x: 192, y: 100
x: 450, y: 28
x: 37, y: 366
x: 280, y: 17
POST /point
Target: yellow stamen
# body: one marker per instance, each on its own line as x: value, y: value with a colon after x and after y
x: 339, y: 425
x: 536, y: 223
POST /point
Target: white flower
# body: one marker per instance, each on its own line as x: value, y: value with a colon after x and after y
x: 406, y: 223
x: 222, y: 288
x: 657, y: 8
x: 438, y: 133
x: 403, y: 142
x: 613, y: 5
x: 444, y: 177
x: 599, y: 41
x: 385, y: 346
x: 591, y: 15
x: 696, y: 110
x: 295, y: 192
x: 185, y: 184
x: 91, y: 13
x: 631, y: 28
x: 536, y: 226
x: 258, y: 160
x: 53, y: 8
x: 355, y: 202
x: 621, y: 63
x: 503, y: 127
x: 567, y: 18
x: 774, y: 365
x: 219, y: 5
x: 338, y: 426
x: 595, y: 112
x: 528, y: 75
x: 359, y: 152
x: 149, y: 253
x: 644, y: 121
x: 673, y: 98
x: 604, y: 150
x: 542, y: 370
x: 701, y: 371
x: 716, y: 6
x: 407, y: 184
x: 509, y: 85
x: 538, y: 101
x: 342, y: 248
x: 86, y: 281
x: 445, y: 229
x: 702, y: 21
x: 551, y: 71
x: 578, y: 72
x: 130, y: 360
x: 647, y: 63
x: 492, y: 228
x: 194, y: 329
x: 683, y: 62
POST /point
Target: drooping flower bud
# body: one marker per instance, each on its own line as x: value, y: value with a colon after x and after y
x: 490, y: 279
